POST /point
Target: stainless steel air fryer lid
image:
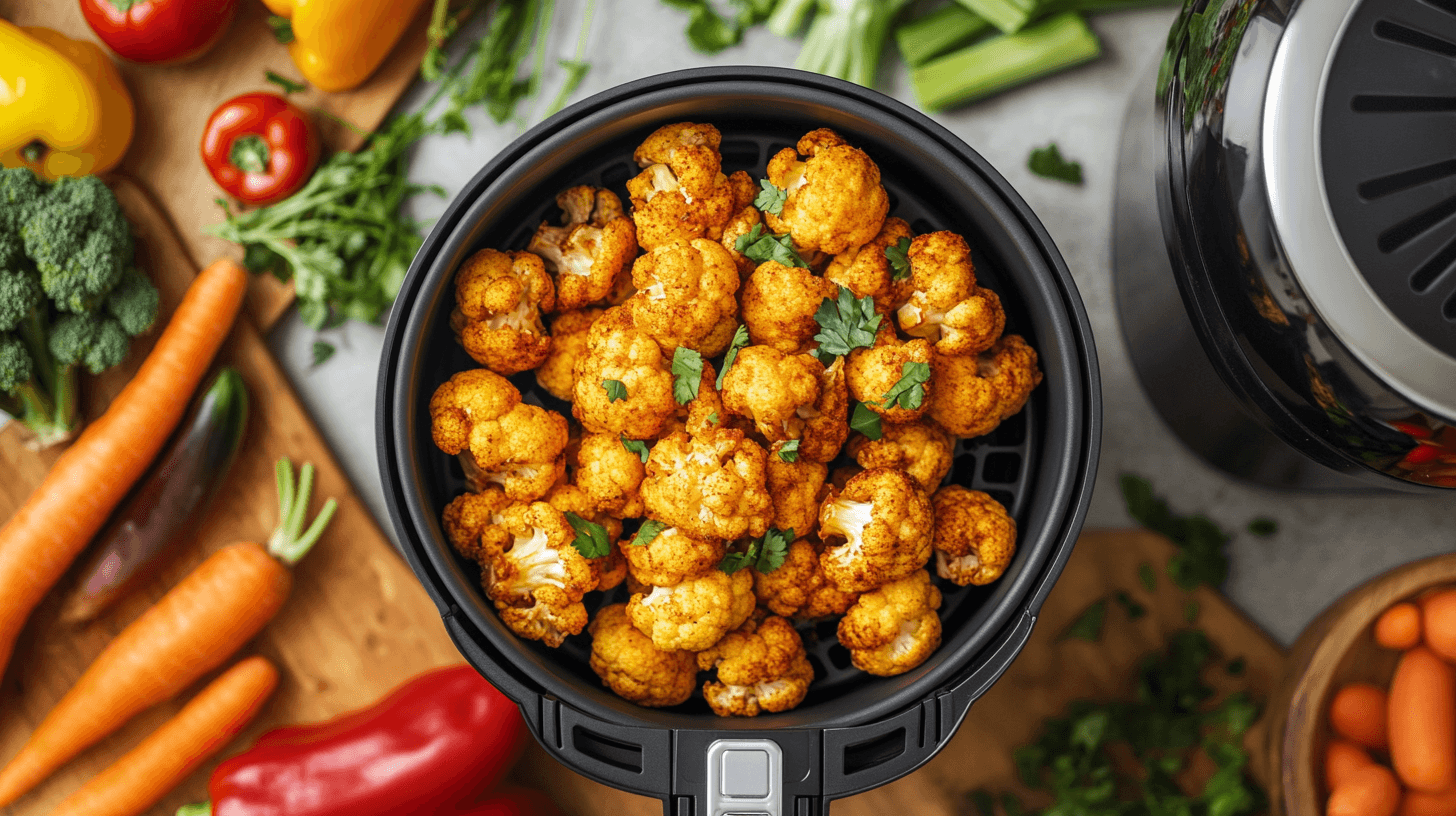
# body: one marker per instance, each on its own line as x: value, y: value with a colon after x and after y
x: 854, y: 731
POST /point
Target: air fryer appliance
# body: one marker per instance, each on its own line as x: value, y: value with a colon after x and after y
x: 1296, y: 161
x: 854, y: 731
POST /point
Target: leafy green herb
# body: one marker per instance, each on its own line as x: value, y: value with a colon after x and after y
x: 288, y: 85
x: 616, y: 390
x: 282, y: 28
x: 650, y: 530
x: 1134, y: 610
x: 846, y: 323
x: 771, y: 198
x: 1012, y: 805
x: 443, y: 25
x: 591, y: 538
x: 1047, y: 162
x: 636, y: 446
x: 1201, y: 558
x: 1263, y: 527
x: 687, y: 374
x: 909, y: 391
x: 762, y: 246
x: 713, y: 418
x: 322, y: 352
x: 899, y: 258
x: 1148, y: 576
x: 1190, y: 611
x: 763, y: 554
x: 710, y: 32
x: 983, y: 801
x: 1088, y: 625
x: 789, y: 451
x: 865, y: 421
x: 740, y: 339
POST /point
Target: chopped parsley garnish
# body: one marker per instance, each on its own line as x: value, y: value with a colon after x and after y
x: 763, y: 554
x: 846, y: 323
x: 1047, y: 162
x: 616, y: 390
x: 322, y: 352
x: 789, y: 451
x: 713, y: 418
x: 865, y: 421
x: 909, y: 391
x: 740, y: 339
x: 591, y: 538
x: 648, y: 532
x: 771, y: 198
x: 899, y: 258
x: 636, y: 446
x: 1201, y: 557
x: 761, y: 246
x: 687, y: 374
x: 1088, y: 625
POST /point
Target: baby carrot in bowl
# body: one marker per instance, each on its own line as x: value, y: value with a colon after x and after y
x: 1358, y: 713
x: 1370, y: 791
x: 1423, y: 721
x: 1399, y: 627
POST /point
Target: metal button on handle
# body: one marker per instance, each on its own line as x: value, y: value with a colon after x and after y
x: 745, y: 778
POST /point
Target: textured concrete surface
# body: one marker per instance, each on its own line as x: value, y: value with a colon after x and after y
x: 1325, y: 544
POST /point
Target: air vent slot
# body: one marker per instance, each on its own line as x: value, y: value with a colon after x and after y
x: 1406, y: 179
x: 1373, y: 103
x: 1449, y: 310
x: 1416, y: 226
x: 606, y: 750
x: 1432, y: 270
x: 1448, y: 6
x: 872, y: 753
x: 1405, y: 35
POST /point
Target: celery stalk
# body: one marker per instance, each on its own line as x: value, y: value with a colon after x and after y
x: 1001, y: 62
x: 846, y: 38
x: 788, y: 17
x: 925, y: 38
x: 1010, y: 16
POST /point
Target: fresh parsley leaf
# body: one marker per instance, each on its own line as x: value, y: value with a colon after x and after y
x: 650, y: 530
x: 591, y: 538
x: 1047, y: 162
x: 288, y: 85
x: 740, y: 339
x: 636, y: 446
x: 687, y: 374
x: 282, y: 28
x: 322, y: 352
x: 1148, y: 576
x: 735, y: 561
x: 899, y: 258
x: 1263, y: 527
x: 710, y: 32
x: 789, y: 451
x: 1088, y: 625
x: 1201, y: 557
x: 909, y: 391
x: 865, y: 421
x: 771, y: 198
x: 713, y: 418
x: 1134, y: 610
x: 773, y: 550
x: 616, y: 390
x: 846, y: 323
x: 761, y: 246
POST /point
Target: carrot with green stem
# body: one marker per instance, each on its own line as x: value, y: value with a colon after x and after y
x: 196, y: 626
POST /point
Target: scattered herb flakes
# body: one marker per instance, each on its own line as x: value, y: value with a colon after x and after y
x: 591, y: 538
x: 789, y: 451
x: 650, y: 530
x: 616, y: 390
x: 322, y: 352
x: 846, y: 323
x: 1201, y: 558
x: 865, y: 421
x: 763, y: 554
x: 687, y: 374
x: 983, y: 801
x: 638, y: 447
x: 771, y: 198
x: 763, y: 246
x: 899, y: 258
x: 712, y: 418
x: 1047, y: 162
x: 1134, y: 610
x: 1263, y: 527
x: 1088, y: 625
x: 1190, y: 611
x: 1148, y: 576
x: 740, y: 339
x: 288, y: 85
x: 1236, y: 667
x: 909, y: 391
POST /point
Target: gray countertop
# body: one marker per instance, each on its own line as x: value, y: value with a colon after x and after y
x: 1326, y: 544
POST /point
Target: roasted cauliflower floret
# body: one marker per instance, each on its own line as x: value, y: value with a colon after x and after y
x: 696, y: 613
x: 611, y: 475
x: 710, y: 485
x: 468, y: 516
x: 611, y: 568
x: 672, y: 557
x: 974, y: 394
x: 685, y: 296
x: 499, y: 297
x: 689, y: 151
x: 946, y: 307
x: 568, y: 344
x: 796, y: 488
x: 835, y: 200
x: 798, y: 588
x: 739, y: 225
x: 761, y: 667
x: 681, y: 193
x: 616, y: 352
x: 586, y: 254
x: 516, y: 445
x: 790, y: 398
x: 886, y: 521
x: 921, y: 449
x: 534, y: 574
x: 975, y: 537
x: 633, y: 668
x: 873, y: 372
x: 779, y: 303
x: 867, y: 272
x: 895, y: 628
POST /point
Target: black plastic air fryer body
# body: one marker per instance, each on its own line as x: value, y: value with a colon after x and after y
x: 1295, y: 160
x: 853, y: 732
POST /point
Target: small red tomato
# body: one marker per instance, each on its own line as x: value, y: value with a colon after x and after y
x: 159, y: 30
x: 260, y: 148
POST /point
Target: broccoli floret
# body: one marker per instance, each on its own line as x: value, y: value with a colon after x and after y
x: 98, y: 342
x: 16, y: 367
x: 20, y: 191
x: 19, y: 296
x: 133, y: 303
x: 80, y: 242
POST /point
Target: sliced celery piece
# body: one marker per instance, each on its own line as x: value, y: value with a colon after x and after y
x: 1002, y: 62
x: 945, y: 29
x: 1010, y: 16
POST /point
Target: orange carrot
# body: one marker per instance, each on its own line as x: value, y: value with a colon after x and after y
x: 1342, y: 758
x: 1419, y: 803
x: 46, y: 534
x: 1439, y: 620
x: 1423, y: 721
x: 1370, y: 791
x: 1399, y: 627
x: 196, y: 626
x: 161, y: 761
x: 1359, y: 713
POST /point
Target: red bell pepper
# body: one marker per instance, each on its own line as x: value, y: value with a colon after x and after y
x: 434, y: 743
x: 260, y: 148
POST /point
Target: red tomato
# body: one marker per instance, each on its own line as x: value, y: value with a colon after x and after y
x: 159, y: 30
x: 260, y: 148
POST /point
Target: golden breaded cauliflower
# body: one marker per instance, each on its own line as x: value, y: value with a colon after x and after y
x: 867, y: 271
x: 685, y: 296
x: 611, y: 475
x: 835, y: 200
x: 790, y: 397
x: 633, y: 668
x: 872, y: 372
x: 696, y: 613
x: 681, y: 193
x: 589, y: 250
x: 796, y: 488
x: 690, y: 151
x: 946, y: 307
x: 672, y: 557
x: 467, y: 517
x: 779, y: 303
x: 798, y: 588
x: 616, y: 350
x: 886, y: 521
x: 709, y: 485
x: 921, y: 449
x: 895, y: 628
x: 516, y: 445
x: 975, y: 537
x: 761, y: 667
x: 535, y: 575
x: 568, y: 344
x: 499, y: 297
x: 974, y: 394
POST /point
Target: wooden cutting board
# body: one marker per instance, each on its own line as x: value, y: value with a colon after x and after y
x: 174, y: 102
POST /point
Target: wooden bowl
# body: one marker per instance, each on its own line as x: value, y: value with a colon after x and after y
x: 1337, y: 648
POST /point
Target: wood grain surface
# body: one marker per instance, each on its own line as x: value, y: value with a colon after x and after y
x: 174, y: 102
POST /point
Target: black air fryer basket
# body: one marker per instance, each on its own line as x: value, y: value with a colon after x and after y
x: 853, y: 731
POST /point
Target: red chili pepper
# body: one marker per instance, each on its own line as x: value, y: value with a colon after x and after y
x: 150, y: 31
x: 260, y: 148
x: 434, y: 743
x: 1421, y: 454
x: 1412, y: 430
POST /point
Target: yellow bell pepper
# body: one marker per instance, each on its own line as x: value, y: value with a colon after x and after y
x: 337, y: 44
x: 64, y: 110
